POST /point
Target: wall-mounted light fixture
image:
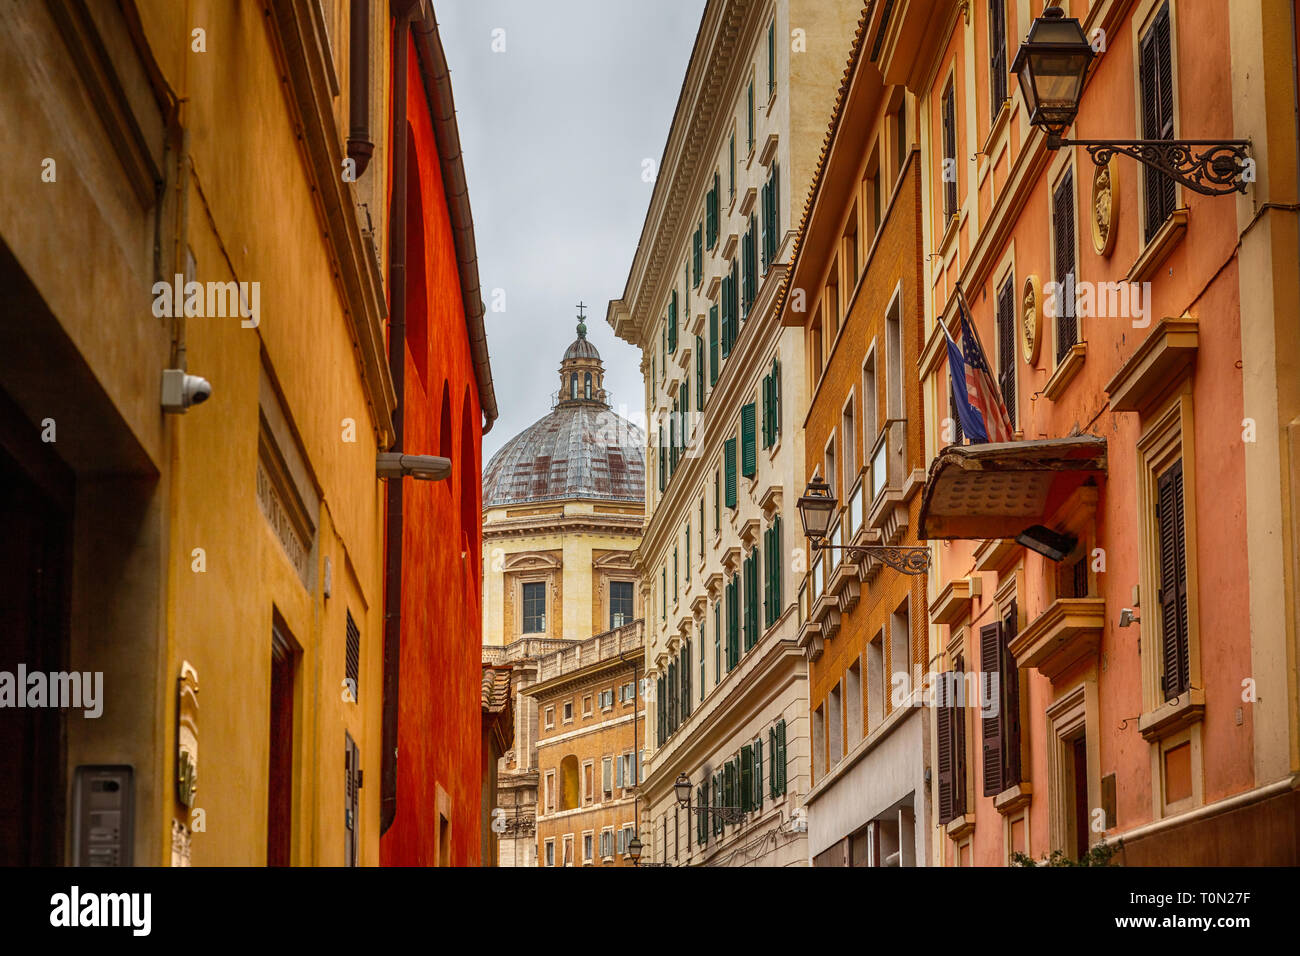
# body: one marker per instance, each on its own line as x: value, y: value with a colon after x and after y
x: 1052, y: 64
x: 815, y: 510
x: 1047, y: 542
x: 391, y: 464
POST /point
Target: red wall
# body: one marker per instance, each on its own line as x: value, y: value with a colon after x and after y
x: 439, y: 699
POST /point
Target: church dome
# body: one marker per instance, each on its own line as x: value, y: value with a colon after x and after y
x: 581, y: 449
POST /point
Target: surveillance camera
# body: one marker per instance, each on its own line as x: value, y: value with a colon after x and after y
x: 1127, y: 617
x: 180, y: 390
x: 391, y: 464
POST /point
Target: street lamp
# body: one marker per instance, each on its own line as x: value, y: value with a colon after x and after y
x: 682, y: 788
x: 817, y: 505
x: 634, y: 850
x: 1052, y: 64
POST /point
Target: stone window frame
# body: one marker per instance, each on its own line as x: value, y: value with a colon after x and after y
x: 1073, y: 712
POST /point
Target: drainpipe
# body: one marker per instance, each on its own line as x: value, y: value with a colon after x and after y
x: 397, y: 368
x: 360, y: 148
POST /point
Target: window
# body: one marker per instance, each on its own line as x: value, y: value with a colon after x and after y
x: 1175, y: 656
x: 748, y: 440
x: 550, y: 718
x: 771, y: 209
x: 900, y: 134
x: 729, y: 457
x: 951, y: 720
x: 819, y: 742
x: 776, y: 759
x: 352, y: 658
x: 733, y: 622
x: 586, y: 847
x: 1156, y: 76
x: 997, y: 57
x: 948, y: 174
x: 869, y: 426
x: 731, y: 167
x: 853, y: 704
x: 607, y: 775
x: 771, y: 59
x: 749, y: 116
x: 586, y: 706
x: 728, y: 297
x: 586, y: 386
x: 701, y: 527
x: 568, y: 711
x: 772, y: 405
x: 550, y: 791
x: 534, y: 607
x: 749, y: 268
x: 851, y: 250
x: 900, y: 639
x: 1006, y: 322
x: 772, y: 548
x: 876, y: 681
x: 711, y: 224
x: 573, y: 385
x: 717, y: 499
x: 702, y: 678
x: 620, y: 603
x: 958, y: 436
x: 1000, y: 732
x: 830, y: 473
x: 894, y: 361
x: 699, y: 373
x: 713, y: 344
x: 697, y: 256
x: 717, y: 642
x: 834, y: 725
x: 1067, y: 328
x: 550, y: 853
x: 850, y: 445
x: 814, y: 347
x: 876, y: 212
x: 751, y: 599
x: 671, y: 322
x: 607, y: 843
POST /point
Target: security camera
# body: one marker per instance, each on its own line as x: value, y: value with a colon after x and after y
x: 1127, y: 617
x: 181, y: 390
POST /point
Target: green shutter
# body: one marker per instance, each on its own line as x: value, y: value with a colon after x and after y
x: 663, y: 471
x: 758, y: 774
x: 746, y: 779
x: 780, y: 756
x: 726, y: 315
x: 771, y: 763
x: 713, y: 344
x: 748, y: 449
x: 776, y: 399
x: 778, y: 566
x: 672, y: 322
x: 699, y: 374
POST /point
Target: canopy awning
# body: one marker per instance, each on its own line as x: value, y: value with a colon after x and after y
x: 998, y: 490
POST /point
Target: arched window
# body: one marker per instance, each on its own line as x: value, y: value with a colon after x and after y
x: 573, y: 385
x: 569, y: 796
x: 587, y: 386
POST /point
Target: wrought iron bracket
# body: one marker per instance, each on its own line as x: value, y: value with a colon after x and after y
x: 727, y: 814
x: 1211, y: 167
x: 903, y: 560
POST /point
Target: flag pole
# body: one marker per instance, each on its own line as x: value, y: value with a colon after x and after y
x: 964, y: 306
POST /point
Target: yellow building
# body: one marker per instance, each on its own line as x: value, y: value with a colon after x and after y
x: 562, y: 512
x: 215, y: 577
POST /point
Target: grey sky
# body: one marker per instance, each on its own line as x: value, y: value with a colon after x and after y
x: 554, y: 131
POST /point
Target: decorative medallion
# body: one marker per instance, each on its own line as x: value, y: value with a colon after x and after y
x: 1105, y: 206
x: 1031, y: 319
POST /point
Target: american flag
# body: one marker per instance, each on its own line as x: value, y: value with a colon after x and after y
x: 979, y: 403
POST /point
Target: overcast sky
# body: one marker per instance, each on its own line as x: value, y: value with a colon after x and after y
x: 554, y: 130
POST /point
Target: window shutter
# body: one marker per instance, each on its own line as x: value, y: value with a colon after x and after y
x: 781, y: 758
x: 1173, y: 581
x: 771, y: 763
x: 1010, y: 703
x: 729, y: 456
x: 949, y: 110
x: 758, y: 774
x: 749, y: 450
x: 672, y: 322
x: 663, y: 461
x: 778, y: 566
x: 699, y: 374
x: 619, y: 776
x: 713, y: 344
x: 1156, y: 76
x: 1007, y: 345
x: 945, y: 756
x: 991, y: 727
x: 1067, y: 330
x: 997, y: 55
x: 746, y: 779
x: 726, y: 315
x: 776, y: 399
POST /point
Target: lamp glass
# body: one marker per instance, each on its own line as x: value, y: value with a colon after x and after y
x: 1051, y: 65
x: 816, y: 507
x: 682, y: 788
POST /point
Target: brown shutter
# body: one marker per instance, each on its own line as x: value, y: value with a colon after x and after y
x: 1067, y: 330
x: 944, y: 717
x: 1173, y: 581
x: 991, y: 678
x: 1007, y: 348
x: 1155, y: 70
x: 1010, y: 703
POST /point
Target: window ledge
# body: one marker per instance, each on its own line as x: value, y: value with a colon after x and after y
x: 1173, y: 715
x: 1067, y: 632
x: 954, y: 601
x: 1155, y: 252
x: 747, y: 200
x: 1161, y: 359
x: 1014, y: 798
x: 1065, y: 372
x: 958, y: 828
x: 999, y: 122
x: 995, y: 554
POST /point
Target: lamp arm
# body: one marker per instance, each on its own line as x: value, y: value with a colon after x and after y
x: 1211, y: 167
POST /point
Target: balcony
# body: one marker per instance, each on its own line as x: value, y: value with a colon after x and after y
x: 1068, y: 631
x: 888, y: 512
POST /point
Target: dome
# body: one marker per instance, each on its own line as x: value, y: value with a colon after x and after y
x: 582, y: 449
x: 581, y: 349
x: 577, y: 451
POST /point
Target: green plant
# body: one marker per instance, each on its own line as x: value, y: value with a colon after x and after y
x: 1098, y: 855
